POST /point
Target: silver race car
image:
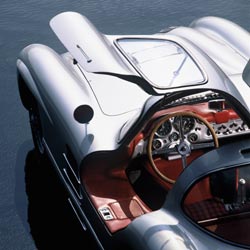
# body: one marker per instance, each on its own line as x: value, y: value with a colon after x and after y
x: 150, y: 134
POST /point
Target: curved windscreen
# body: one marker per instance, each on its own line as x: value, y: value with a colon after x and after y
x: 163, y: 63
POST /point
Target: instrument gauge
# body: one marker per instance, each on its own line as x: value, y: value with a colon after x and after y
x: 164, y: 129
x: 193, y: 137
x: 173, y: 137
x: 157, y: 144
x: 187, y: 123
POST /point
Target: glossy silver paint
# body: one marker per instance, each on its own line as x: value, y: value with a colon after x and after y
x: 88, y: 46
x: 89, y: 73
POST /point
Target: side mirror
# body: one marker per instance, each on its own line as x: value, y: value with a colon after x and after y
x: 246, y: 73
x: 83, y: 114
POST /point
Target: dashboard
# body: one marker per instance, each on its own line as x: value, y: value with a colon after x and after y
x: 195, y: 131
x: 220, y: 116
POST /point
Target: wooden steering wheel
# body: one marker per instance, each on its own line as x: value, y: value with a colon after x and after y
x: 182, y: 146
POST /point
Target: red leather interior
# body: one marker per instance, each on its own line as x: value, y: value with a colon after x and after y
x: 108, y: 186
x: 105, y: 179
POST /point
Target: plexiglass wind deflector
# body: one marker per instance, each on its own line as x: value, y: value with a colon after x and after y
x: 163, y: 63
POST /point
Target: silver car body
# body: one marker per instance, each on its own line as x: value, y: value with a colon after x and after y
x: 103, y: 77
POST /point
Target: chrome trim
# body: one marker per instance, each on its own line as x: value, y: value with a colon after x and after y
x: 84, y: 54
x: 71, y: 184
x: 72, y: 196
x: 106, y: 213
x: 79, y: 219
x: 66, y: 159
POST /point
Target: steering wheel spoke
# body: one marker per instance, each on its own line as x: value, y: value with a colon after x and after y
x: 184, y: 161
x: 181, y: 129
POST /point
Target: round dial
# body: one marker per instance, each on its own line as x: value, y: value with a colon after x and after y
x: 157, y: 144
x: 187, y: 123
x: 173, y: 137
x: 193, y: 137
x: 164, y: 129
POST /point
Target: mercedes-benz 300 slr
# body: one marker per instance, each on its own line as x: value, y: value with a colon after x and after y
x: 150, y: 134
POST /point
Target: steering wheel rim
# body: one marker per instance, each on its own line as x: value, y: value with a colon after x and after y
x: 163, y: 120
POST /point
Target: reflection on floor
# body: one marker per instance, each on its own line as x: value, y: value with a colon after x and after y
x: 52, y: 222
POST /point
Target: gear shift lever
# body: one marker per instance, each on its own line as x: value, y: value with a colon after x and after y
x: 242, y: 191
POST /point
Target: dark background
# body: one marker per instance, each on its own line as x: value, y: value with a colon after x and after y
x: 33, y: 209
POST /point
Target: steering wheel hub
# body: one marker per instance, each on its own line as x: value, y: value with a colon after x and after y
x: 184, y: 148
